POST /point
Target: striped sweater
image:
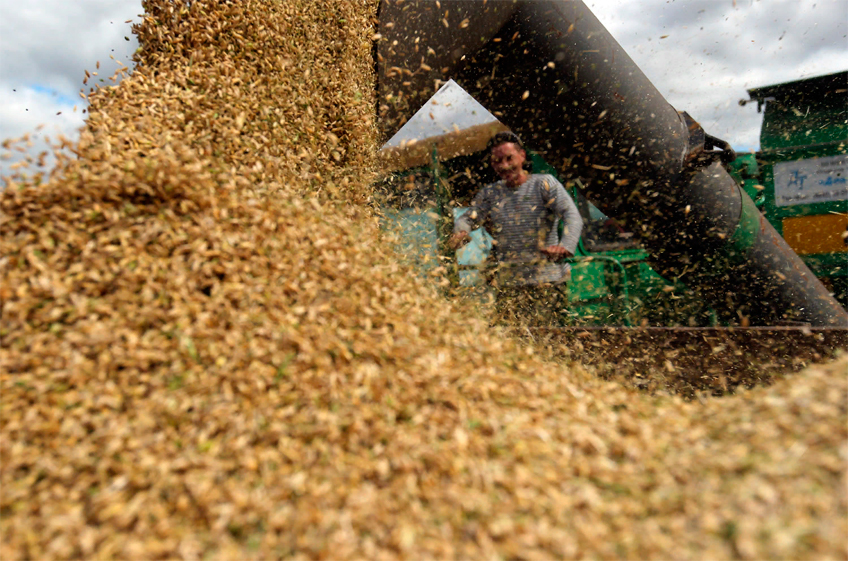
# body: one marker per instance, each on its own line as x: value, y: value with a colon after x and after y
x: 522, y: 221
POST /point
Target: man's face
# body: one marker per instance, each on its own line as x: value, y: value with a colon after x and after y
x: 507, y: 161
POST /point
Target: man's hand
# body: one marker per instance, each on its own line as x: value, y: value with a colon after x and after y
x: 556, y: 252
x: 458, y: 240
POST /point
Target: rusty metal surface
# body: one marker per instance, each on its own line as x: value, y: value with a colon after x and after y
x: 688, y: 360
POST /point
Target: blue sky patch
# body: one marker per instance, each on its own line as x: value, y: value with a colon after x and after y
x: 57, y: 96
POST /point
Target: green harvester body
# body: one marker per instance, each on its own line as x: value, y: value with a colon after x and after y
x: 798, y: 178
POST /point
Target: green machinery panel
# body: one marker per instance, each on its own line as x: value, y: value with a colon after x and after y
x: 799, y: 178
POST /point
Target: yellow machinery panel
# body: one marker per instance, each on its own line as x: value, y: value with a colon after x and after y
x: 823, y: 233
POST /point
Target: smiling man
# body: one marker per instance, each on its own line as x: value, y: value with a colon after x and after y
x: 522, y: 212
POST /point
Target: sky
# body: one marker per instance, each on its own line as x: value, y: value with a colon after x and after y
x: 700, y: 54
x: 45, y: 48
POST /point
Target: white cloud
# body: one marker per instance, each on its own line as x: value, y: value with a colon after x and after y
x: 49, y: 44
x: 45, y: 48
x: 28, y: 108
x: 41, y: 116
x: 703, y: 55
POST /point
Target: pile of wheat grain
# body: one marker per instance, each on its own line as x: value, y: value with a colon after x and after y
x: 207, y: 351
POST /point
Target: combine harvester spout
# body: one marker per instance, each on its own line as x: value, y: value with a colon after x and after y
x: 551, y: 72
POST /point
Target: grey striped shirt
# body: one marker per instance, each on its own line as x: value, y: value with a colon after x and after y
x: 522, y: 221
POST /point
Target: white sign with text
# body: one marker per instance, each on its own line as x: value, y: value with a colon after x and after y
x: 817, y: 180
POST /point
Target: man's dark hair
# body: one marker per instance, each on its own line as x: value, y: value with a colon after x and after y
x: 502, y: 138
x: 509, y: 136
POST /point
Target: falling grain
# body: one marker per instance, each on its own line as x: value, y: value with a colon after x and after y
x: 209, y: 350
